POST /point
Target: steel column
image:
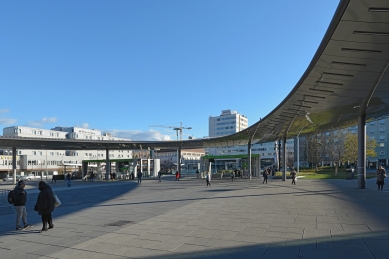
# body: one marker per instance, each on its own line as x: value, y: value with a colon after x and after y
x: 107, y: 164
x: 249, y: 159
x: 361, y: 151
x: 14, y: 164
x: 284, y: 158
x: 179, y: 159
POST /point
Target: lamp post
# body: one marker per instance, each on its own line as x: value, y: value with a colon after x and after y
x: 298, y: 150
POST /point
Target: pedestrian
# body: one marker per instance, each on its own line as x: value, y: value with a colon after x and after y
x: 177, y: 176
x: 45, y: 205
x: 197, y: 173
x: 232, y: 176
x: 54, y: 179
x: 91, y: 176
x: 139, y: 175
x: 208, y: 179
x: 293, y: 174
x: 69, y: 179
x: 265, y: 175
x: 159, y: 176
x: 221, y: 175
x: 20, y: 199
x: 381, y: 175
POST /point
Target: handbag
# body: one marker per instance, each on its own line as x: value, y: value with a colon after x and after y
x: 57, y: 202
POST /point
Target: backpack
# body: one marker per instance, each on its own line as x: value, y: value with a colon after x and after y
x: 11, y: 197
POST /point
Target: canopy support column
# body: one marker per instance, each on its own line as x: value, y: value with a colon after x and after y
x: 107, y: 164
x: 14, y: 164
x: 284, y: 158
x: 361, y: 151
x: 249, y: 159
x: 179, y: 159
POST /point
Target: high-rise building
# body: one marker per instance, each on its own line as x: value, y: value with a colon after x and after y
x: 229, y: 122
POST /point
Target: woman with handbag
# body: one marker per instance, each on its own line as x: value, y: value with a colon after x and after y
x: 45, y: 205
x: 381, y: 175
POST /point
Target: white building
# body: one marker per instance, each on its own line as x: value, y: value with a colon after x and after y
x: 38, y: 160
x: 229, y: 122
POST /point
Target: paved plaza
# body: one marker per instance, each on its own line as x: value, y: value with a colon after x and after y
x: 186, y: 219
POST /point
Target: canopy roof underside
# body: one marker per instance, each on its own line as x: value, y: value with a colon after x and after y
x: 347, y: 77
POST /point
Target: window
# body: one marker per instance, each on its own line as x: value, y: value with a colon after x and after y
x: 51, y: 153
x: 382, y: 153
x: 382, y: 130
x: 382, y: 144
x: 20, y: 130
x: 34, y: 153
x: 40, y: 153
x: 382, y: 137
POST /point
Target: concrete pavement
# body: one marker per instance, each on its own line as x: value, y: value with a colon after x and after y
x: 186, y: 219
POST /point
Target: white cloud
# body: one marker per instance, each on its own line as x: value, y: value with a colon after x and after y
x: 151, y: 135
x: 4, y: 110
x: 7, y: 121
x: 40, y: 123
x: 85, y: 125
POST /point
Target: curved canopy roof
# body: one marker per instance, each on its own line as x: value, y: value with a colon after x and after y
x: 347, y: 77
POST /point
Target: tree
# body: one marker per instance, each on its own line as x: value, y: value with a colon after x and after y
x: 351, y: 147
x: 334, y: 148
x: 314, y: 150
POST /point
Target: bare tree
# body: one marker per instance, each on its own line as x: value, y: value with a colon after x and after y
x: 334, y: 148
x: 314, y: 150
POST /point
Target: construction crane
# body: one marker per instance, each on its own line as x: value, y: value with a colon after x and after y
x: 177, y: 129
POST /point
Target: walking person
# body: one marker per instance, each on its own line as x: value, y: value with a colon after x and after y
x: 381, y: 175
x: 265, y: 175
x: 20, y: 199
x: 293, y: 174
x: 54, y: 179
x: 208, y: 179
x: 139, y: 175
x: 45, y: 205
x: 232, y: 176
x: 69, y: 179
x: 177, y: 176
x: 159, y: 176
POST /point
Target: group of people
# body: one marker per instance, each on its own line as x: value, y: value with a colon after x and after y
x: 268, y: 171
x: 44, y: 205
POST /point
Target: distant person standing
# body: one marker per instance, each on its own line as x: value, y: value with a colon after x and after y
x: 232, y: 176
x: 381, y: 175
x: 159, y: 176
x: 208, y: 179
x: 54, y: 179
x: 91, y: 176
x: 69, y: 179
x: 293, y: 174
x: 197, y: 173
x: 177, y: 176
x: 20, y: 199
x: 45, y: 205
x: 139, y: 175
x: 265, y: 175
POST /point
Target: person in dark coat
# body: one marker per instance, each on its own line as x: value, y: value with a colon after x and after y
x: 381, y: 175
x: 45, y: 205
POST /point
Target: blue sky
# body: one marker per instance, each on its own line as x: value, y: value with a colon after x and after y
x: 120, y: 66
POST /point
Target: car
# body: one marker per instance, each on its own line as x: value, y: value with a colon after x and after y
x: 9, y: 178
x: 30, y: 177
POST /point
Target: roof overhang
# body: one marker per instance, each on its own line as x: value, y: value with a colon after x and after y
x: 348, y: 77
